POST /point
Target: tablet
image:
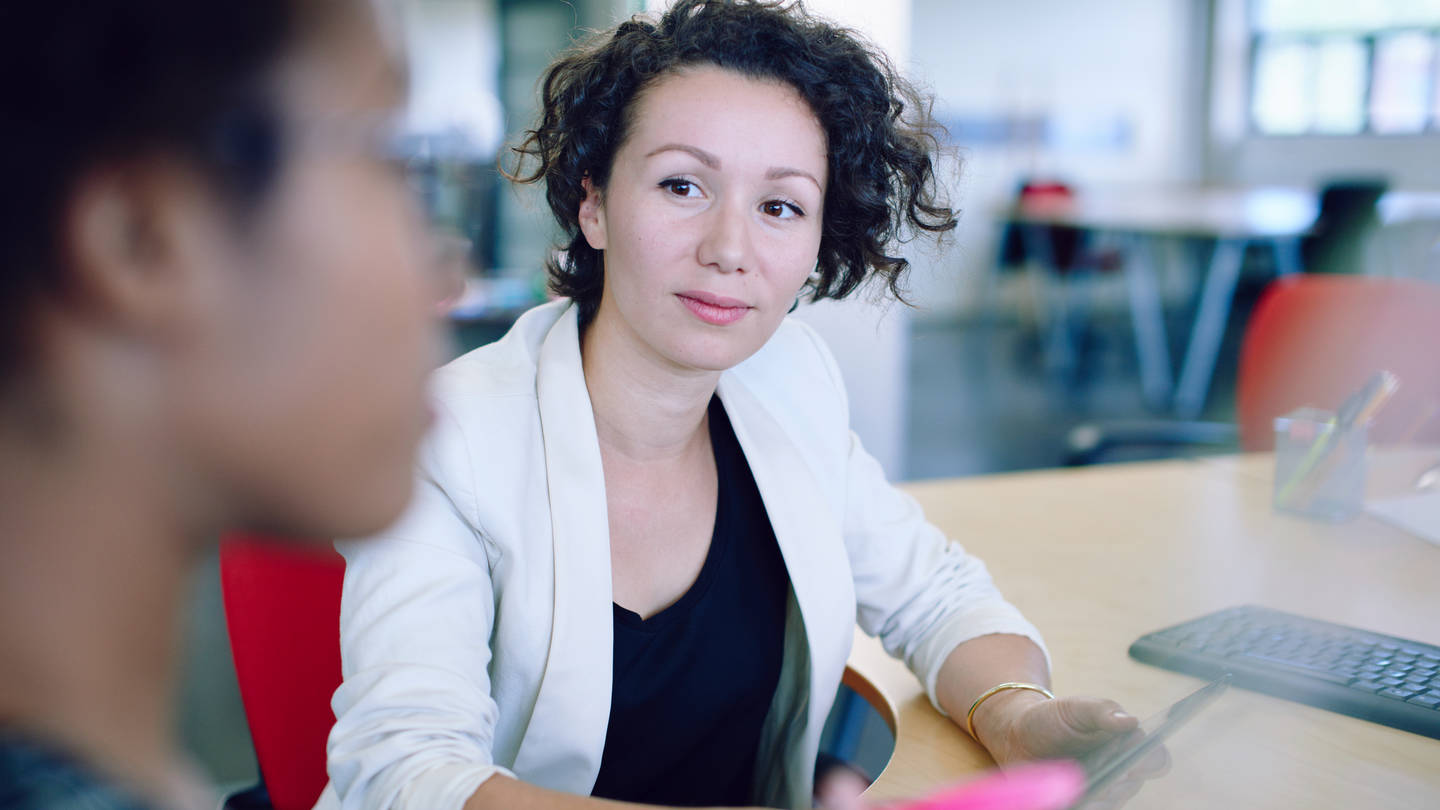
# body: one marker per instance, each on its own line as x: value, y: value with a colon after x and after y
x: 1113, y: 760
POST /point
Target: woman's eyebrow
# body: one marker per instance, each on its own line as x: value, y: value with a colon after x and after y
x: 710, y: 161
x: 785, y: 171
x: 713, y: 162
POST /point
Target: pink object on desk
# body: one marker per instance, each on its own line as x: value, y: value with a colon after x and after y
x: 1042, y: 786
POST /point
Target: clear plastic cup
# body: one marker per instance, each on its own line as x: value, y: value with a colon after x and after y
x: 1319, y: 467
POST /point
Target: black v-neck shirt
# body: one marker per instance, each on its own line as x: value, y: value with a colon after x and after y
x: 693, y: 683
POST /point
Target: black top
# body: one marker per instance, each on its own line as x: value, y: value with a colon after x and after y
x: 37, y: 777
x: 693, y: 683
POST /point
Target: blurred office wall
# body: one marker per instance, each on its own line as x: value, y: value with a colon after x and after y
x: 453, y: 51
x: 1092, y: 93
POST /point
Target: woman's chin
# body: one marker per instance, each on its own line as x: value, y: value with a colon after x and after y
x: 713, y: 354
x: 710, y: 348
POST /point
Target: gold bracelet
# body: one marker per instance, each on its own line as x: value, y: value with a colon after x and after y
x: 995, y: 690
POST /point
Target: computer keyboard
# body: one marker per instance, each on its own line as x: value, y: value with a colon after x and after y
x: 1371, y: 676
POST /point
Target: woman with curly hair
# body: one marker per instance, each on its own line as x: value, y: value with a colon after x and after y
x: 644, y: 532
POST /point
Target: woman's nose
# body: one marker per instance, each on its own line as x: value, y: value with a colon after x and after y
x: 725, y: 244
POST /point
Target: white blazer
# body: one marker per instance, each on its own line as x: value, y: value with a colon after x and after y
x: 476, y: 633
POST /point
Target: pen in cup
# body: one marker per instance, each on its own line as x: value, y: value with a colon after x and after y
x: 1358, y: 409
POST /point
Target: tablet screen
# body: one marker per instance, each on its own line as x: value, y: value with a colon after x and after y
x: 1113, y: 760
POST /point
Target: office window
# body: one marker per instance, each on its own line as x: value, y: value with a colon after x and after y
x: 1401, y: 98
x: 1340, y: 67
x: 1340, y: 86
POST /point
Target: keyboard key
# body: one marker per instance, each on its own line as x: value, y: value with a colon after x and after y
x: 1398, y: 693
x: 1368, y: 686
x: 1425, y: 700
x: 1391, y: 681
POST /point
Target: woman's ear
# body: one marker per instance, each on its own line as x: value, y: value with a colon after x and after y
x: 119, y: 237
x: 143, y: 243
x: 592, y: 215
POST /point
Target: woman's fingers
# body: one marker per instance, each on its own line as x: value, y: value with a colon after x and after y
x: 1088, y: 716
x: 1071, y: 727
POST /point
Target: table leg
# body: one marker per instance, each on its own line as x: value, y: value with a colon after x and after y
x: 1209, y: 328
x: 1060, y: 352
x: 1147, y: 314
x: 1287, y: 257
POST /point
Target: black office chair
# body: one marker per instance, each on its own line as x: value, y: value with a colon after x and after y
x: 1347, y: 214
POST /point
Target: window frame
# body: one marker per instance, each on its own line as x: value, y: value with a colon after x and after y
x: 1368, y: 38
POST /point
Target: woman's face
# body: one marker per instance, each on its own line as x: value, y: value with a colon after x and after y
x: 302, y: 388
x: 710, y: 221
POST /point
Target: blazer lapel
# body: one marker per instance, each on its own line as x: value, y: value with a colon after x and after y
x: 810, y: 539
x: 566, y: 735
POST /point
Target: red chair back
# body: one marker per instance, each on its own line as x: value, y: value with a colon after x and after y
x: 1313, y: 339
x: 282, y: 608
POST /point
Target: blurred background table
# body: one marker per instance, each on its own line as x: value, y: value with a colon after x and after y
x: 1140, y: 224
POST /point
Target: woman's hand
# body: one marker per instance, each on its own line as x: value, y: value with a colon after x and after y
x: 1020, y: 726
x: 1031, y: 727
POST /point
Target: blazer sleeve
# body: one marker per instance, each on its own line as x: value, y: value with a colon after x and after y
x: 920, y: 592
x: 415, y: 719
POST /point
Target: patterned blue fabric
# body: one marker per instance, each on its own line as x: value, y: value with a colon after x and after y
x: 36, y: 777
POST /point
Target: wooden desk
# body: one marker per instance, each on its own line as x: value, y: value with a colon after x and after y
x: 1097, y: 557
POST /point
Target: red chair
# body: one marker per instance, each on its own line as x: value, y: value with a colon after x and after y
x: 1312, y: 340
x: 282, y: 608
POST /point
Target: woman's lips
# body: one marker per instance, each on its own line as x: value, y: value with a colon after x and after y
x: 716, y: 310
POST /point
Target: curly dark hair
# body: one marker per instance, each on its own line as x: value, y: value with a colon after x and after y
x: 880, y: 136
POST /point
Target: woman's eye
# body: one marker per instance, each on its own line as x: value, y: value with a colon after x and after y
x: 781, y: 209
x: 680, y: 187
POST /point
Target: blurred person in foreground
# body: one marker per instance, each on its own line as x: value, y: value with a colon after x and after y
x: 644, y: 532
x: 217, y: 313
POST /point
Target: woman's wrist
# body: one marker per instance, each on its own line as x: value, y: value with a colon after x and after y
x: 994, y: 718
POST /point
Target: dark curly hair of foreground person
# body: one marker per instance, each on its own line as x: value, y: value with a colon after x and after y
x: 881, y: 140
